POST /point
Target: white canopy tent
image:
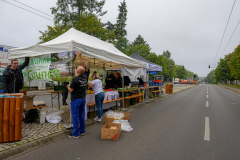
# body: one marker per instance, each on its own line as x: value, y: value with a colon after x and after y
x: 94, y: 50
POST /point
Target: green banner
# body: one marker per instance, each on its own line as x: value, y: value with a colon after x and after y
x: 38, y: 68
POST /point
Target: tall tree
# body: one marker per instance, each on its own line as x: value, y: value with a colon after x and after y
x: 86, y: 23
x: 211, y: 77
x: 91, y: 24
x: 52, y: 32
x: 69, y: 10
x: 222, y: 70
x: 142, y: 49
x: 110, y: 26
x: 167, y: 54
x: 120, y: 30
x: 139, y: 40
x: 234, y: 63
x: 141, y: 46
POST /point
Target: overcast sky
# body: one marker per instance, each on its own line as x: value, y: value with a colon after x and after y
x: 190, y: 29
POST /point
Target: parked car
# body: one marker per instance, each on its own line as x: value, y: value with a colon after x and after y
x: 176, y: 81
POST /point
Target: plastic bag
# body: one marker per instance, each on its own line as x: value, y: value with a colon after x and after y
x: 125, y: 125
x: 113, y: 114
x: 53, y: 115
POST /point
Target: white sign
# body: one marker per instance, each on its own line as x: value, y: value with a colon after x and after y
x: 4, y: 57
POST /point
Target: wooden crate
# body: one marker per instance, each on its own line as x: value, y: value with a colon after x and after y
x: 126, y: 103
x: 169, y: 88
x: 11, y: 110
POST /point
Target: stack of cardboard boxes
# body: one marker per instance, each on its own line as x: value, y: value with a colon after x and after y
x: 112, y: 130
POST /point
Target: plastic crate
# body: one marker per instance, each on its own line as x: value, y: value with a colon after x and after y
x: 126, y: 94
x: 133, y: 101
x: 60, y: 88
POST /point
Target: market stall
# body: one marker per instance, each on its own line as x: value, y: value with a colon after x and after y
x: 97, y: 53
x: 151, y: 69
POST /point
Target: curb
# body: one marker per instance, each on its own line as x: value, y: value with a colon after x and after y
x: 230, y: 89
x: 13, y: 152
x: 39, y: 143
x: 32, y: 145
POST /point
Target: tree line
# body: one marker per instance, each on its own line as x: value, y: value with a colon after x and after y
x: 85, y: 16
x: 227, y: 69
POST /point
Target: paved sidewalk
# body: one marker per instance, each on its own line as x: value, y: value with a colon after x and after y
x: 35, y: 135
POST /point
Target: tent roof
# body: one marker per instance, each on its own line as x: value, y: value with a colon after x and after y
x: 152, y: 66
x: 137, y: 56
x: 94, y: 50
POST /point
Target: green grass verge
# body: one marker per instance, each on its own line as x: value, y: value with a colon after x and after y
x: 232, y: 85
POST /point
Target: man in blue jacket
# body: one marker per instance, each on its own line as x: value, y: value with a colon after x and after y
x: 12, y: 80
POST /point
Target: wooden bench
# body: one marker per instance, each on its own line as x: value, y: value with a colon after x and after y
x: 133, y: 96
x: 94, y: 104
x: 38, y: 111
x: 156, y: 92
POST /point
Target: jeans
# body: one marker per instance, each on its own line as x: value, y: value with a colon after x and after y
x: 64, y: 97
x: 99, y: 98
x: 78, y: 116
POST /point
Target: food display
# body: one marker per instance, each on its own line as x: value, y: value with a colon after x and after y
x: 90, y: 92
x: 123, y: 89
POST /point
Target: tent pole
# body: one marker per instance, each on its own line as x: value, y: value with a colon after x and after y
x: 122, y: 90
x: 147, y: 93
x: 160, y: 93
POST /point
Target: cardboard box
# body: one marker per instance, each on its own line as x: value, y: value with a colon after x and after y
x: 126, y: 117
x: 29, y: 101
x: 107, y: 133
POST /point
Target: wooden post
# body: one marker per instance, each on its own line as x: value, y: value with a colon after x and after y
x: 18, y: 129
x: 1, y: 119
x: 12, y: 119
x: 21, y: 118
x: 6, y: 120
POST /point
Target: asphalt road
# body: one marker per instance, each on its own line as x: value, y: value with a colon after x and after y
x: 199, y: 123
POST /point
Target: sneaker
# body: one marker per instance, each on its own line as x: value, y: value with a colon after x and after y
x: 65, y: 104
x: 72, y: 136
x: 82, y: 134
x: 96, y: 118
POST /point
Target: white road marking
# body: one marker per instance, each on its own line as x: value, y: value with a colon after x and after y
x: 207, y: 105
x: 207, y: 96
x: 207, y: 129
